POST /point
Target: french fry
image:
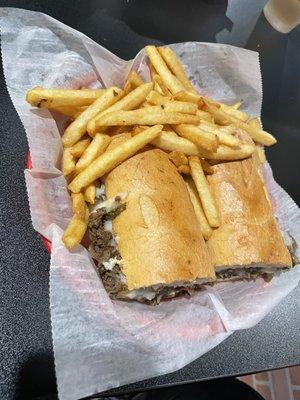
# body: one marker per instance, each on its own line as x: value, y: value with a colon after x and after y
x: 187, y: 96
x: 236, y: 105
x: 129, y: 102
x: 168, y: 141
x: 146, y: 116
x: 157, y: 88
x: 225, y: 153
x: 156, y: 98
x: 78, y: 224
x: 133, y: 81
x: 90, y: 193
x: 178, y: 158
x: 176, y: 67
x: 184, y: 169
x: 152, y: 71
x: 206, y: 116
x: 162, y: 88
x: 68, y: 162
x: 230, y: 129
x: 172, y: 83
x: 224, y: 138
x: 234, y: 112
x: 203, y: 139
x: 50, y: 98
x: 68, y: 111
x: 205, y: 228
x: 255, y: 123
x: 173, y: 106
x: 257, y: 135
x: 74, y: 232
x: 111, y: 158
x: 78, y: 149
x: 206, y: 197
x: 78, y: 127
x: 207, y: 168
x: 97, y: 146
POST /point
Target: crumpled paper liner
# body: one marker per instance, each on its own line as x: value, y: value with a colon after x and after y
x: 99, y: 344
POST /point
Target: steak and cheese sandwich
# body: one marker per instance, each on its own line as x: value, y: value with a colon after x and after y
x: 248, y: 242
x: 146, y: 238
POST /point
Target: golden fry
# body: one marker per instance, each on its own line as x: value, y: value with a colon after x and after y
x: 255, y: 123
x: 205, y: 228
x: 178, y: 158
x: 68, y: 162
x: 78, y: 205
x: 176, y: 67
x: 261, y: 154
x: 156, y: 98
x: 133, y: 81
x: 172, y: 83
x: 78, y: 149
x: 111, y: 158
x: 203, y: 115
x: 206, y: 197
x: 225, y: 153
x: 224, y: 138
x: 172, y: 106
x: 97, y: 146
x: 168, y: 141
x: 203, y: 139
x: 234, y: 112
x: 90, y: 193
x: 187, y: 96
x: 129, y: 102
x: 68, y: 111
x: 160, y: 86
x: 78, y: 127
x: 184, y: 169
x: 146, y: 116
x: 51, y: 98
x: 257, y: 135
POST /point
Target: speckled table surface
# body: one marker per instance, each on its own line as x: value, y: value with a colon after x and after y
x: 26, y: 358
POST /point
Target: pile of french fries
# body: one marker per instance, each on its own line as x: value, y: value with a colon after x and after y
x: 167, y: 113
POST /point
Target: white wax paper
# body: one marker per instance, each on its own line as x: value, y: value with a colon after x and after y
x: 100, y: 344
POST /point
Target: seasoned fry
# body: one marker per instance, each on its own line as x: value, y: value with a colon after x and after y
x: 255, y: 123
x: 206, y: 197
x: 94, y: 150
x: 203, y: 139
x: 178, y: 158
x: 74, y: 232
x: 225, y: 153
x: 184, y: 169
x: 69, y: 111
x: 172, y: 83
x: 207, y: 168
x: 111, y: 158
x: 224, y: 138
x: 187, y: 96
x: 176, y: 106
x: 234, y: 112
x: 78, y: 149
x: 169, y: 141
x: 203, y: 115
x: 204, y: 225
x: 162, y: 88
x: 257, y: 135
x: 78, y: 127
x: 129, y: 102
x: 68, y: 162
x: 78, y: 224
x: 156, y: 98
x: 50, y: 98
x: 133, y: 81
x: 146, y: 116
x: 90, y: 193
x: 176, y: 67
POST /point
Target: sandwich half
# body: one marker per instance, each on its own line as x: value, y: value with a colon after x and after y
x: 248, y: 243
x: 146, y: 238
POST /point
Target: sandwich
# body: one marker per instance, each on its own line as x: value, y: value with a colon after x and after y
x: 248, y: 244
x: 145, y: 238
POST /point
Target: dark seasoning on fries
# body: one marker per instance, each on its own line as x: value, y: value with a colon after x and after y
x: 199, y: 136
